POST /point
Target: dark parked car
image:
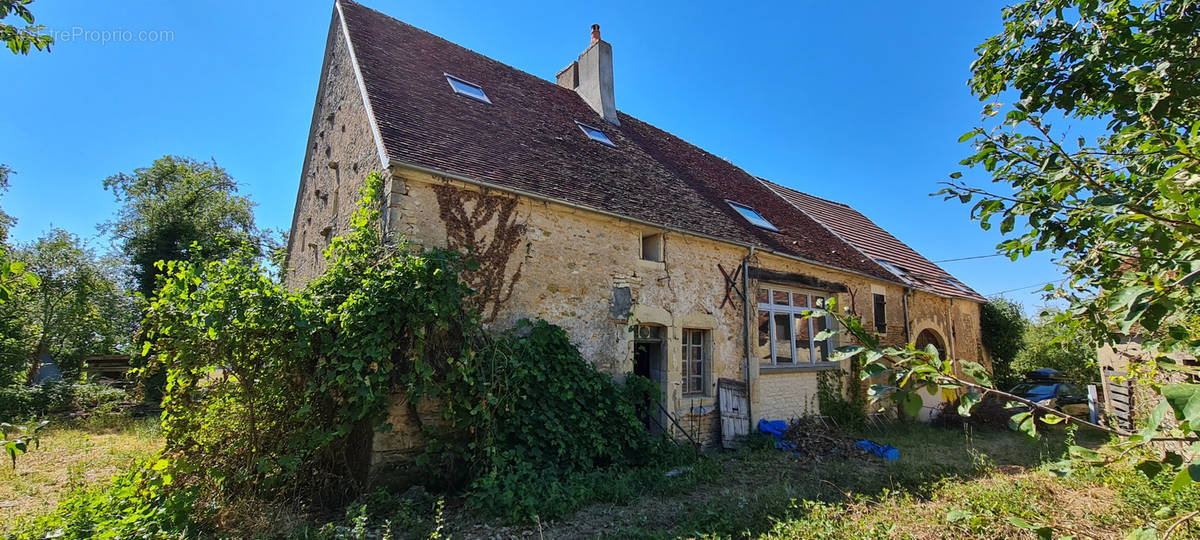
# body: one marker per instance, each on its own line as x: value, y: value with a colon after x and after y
x: 1045, y: 387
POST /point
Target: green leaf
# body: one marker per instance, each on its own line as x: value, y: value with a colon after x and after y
x: 967, y: 402
x: 1085, y: 454
x: 1143, y: 533
x: 1150, y: 468
x: 958, y: 515
x: 910, y: 402
x: 1186, y: 477
x: 1109, y: 202
x: 1154, y: 420
x: 1184, y: 398
x: 1042, y: 531
x: 1023, y: 422
x: 1050, y: 418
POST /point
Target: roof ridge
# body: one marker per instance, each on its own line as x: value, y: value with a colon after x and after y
x: 942, y: 273
x: 525, y: 141
x: 458, y: 46
x: 807, y: 194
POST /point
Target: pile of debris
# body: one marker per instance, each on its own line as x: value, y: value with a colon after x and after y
x: 818, y: 439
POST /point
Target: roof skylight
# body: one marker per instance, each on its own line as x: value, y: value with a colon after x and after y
x: 892, y: 268
x: 957, y: 286
x: 752, y: 216
x: 595, y: 134
x: 471, y: 90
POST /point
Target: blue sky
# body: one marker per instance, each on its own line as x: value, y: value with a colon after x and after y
x: 860, y: 102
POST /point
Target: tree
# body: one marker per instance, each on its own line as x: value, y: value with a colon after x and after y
x: 1055, y: 344
x: 178, y: 209
x: 78, y: 307
x: 1121, y: 206
x: 12, y: 273
x: 1003, y: 327
x: 21, y: 40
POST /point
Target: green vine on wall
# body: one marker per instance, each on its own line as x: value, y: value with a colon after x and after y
x: 485, y: 225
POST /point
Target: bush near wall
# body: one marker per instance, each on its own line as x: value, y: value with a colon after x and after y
x: 272, y: 394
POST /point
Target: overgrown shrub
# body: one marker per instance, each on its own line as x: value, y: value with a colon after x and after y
x: 273, y: 393
x: 844, y: 403
x: 24, y: 401
x: 540, y: 414
x: 139, y: 503
x: 1003, y: 327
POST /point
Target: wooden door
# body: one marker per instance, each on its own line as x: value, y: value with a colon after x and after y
x: 735, y: 418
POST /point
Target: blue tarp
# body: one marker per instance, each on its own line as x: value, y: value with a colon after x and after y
x: 887, y: 452
x: 776, y: 428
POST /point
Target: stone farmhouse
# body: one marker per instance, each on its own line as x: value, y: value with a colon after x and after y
x: 658, y: 257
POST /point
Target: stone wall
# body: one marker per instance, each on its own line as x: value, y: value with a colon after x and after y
x: 785, y: 396
x: 578, y: 269
x: 571, y: 267
x: 341, y: 152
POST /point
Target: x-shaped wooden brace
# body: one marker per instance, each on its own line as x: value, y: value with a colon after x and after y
x: 731, y: 284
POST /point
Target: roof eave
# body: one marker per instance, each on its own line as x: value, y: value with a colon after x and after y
x: 397, y: 164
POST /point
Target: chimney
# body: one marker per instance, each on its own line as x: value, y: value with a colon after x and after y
x: 592, y: 77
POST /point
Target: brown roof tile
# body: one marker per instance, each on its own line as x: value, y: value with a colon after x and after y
x: 527, y: 140
x: 877, y: 243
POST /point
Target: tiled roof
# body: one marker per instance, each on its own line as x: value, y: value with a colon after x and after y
x: 877, y: 243
x: 527, y: 140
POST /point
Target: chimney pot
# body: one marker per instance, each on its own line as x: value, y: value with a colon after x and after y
x: 595, y: 33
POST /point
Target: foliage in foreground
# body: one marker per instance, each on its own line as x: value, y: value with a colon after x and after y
x: 142, y: 502
x: 19, y: 438
x: 1122, y: 207
x: 272, y: 393
x: 20, y: 40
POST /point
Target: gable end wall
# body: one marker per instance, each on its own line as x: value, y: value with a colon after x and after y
x: 340, y: 152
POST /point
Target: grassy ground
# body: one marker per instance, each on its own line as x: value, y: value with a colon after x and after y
x: 72, y: 453
x: 947, y: 484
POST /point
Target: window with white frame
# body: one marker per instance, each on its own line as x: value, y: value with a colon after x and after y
x: 785, y: 336
x: 695, y: 361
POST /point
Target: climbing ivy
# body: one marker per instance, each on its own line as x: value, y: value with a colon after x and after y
x: 273, y: 391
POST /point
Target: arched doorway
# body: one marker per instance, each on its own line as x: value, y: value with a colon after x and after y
x: 929, y: 337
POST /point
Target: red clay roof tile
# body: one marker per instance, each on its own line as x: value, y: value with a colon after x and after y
x: 527, y: 139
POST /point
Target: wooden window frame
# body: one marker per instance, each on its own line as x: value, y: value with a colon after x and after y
x: 687, y: 349
x: 792, y: 311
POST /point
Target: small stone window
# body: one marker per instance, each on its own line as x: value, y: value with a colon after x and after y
x: 652, y: 247
x: 695, y: 361
x: 468, y: 89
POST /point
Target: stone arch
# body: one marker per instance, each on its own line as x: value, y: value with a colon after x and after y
x: 929, y: 336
